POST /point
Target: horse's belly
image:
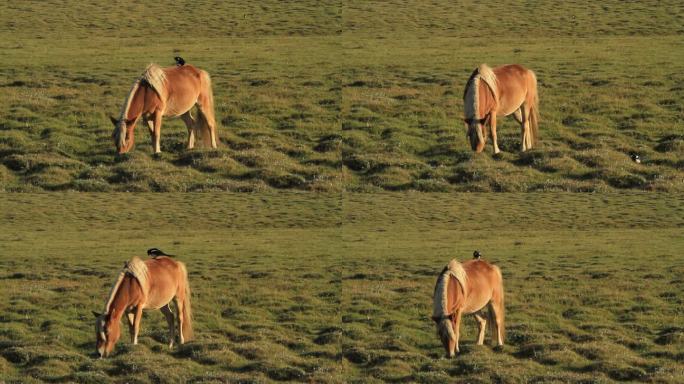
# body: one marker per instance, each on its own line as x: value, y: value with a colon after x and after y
x: 476, y: 304
x: 158, y: 301
x: 175, y: 108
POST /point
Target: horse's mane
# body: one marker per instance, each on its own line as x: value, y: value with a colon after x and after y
x: 440, y: 305
x: 455, y: 269
x: 488, y: 76
x: 154, y: 76
x: 471, y: 95
x: 135, y: 267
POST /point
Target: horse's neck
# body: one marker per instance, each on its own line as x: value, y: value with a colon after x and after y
x: 122, y: 298
x: 456, y: 297
x: 486, y: 99
x: 135, y: 109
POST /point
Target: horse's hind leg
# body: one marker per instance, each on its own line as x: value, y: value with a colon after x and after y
x: 481, y: 323
x: 150, y: 126
x: 166, y: 310
x: 179, y: 310
x: 521, y: 116
x: 190, y: 124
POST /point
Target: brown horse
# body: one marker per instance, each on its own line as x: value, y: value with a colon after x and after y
x: 150, y: 284
x: 506, y: 90
x: 167, y: 92
x: 463, y: 289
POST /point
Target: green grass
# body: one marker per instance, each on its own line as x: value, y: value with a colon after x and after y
x: 359, y: 96
x: 337, y: 288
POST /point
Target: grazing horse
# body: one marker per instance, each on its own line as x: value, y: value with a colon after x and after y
x: 149, y: 284
x: 463, y: 289
x: 162, y: 92
x: 506, y: 90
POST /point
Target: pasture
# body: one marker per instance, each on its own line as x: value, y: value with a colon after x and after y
x: 357, y: 96
x: 308, y: 287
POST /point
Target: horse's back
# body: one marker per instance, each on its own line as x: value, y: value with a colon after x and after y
x: 483, y: 279
x: 165, y: 277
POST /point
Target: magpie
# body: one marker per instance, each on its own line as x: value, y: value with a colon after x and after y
x: 156, y: 252
x: 636, y: 158
x: 179, y: 61
x: 477, y: 255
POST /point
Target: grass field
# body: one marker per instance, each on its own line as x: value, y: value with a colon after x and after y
x: 323, y: 288
x: 356, y: 96
x: 340, y: 124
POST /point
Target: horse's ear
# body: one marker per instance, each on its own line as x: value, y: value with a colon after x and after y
x: 114, y: 121
x: 97, y: 314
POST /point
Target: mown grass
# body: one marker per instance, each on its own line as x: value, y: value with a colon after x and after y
x: 329, y: 96
x: 336, y: 288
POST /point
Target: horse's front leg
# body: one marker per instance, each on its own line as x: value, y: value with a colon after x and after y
x: 136, y: 323
x: 130, y: 317
x: 166, y: 310
x: 157, y: 131
x: 457, y: 330
x: 492, y: 124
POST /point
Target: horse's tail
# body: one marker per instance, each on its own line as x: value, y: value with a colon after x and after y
x: 206, y: 119
x: 534, y: 111
x: 187, y: 310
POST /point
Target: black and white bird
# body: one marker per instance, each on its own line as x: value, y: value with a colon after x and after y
x: 477, y: 255
x: 636, y: 158
x: 179, y: 61
x: 156, y: 252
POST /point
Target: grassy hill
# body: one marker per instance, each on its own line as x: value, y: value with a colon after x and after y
x: 356, y: 96
x: 308, y: 287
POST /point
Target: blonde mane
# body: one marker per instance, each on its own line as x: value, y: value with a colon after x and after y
x: 440, y: 306
x: 153, y: 75
x: 471, y: 96
x: 488, y: 76
x: 138, y: 269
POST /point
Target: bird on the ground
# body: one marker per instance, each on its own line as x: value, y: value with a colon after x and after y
x: 179, y: 61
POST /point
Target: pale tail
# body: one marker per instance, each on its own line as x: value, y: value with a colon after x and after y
x: 534, y: 112
x: 205, y: 115
x: 187, y: 310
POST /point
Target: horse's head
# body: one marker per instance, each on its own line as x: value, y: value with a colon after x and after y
x: 120, y: 135
x: 476, y: 133
x: 107, y: 333
x: 445, y: 331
